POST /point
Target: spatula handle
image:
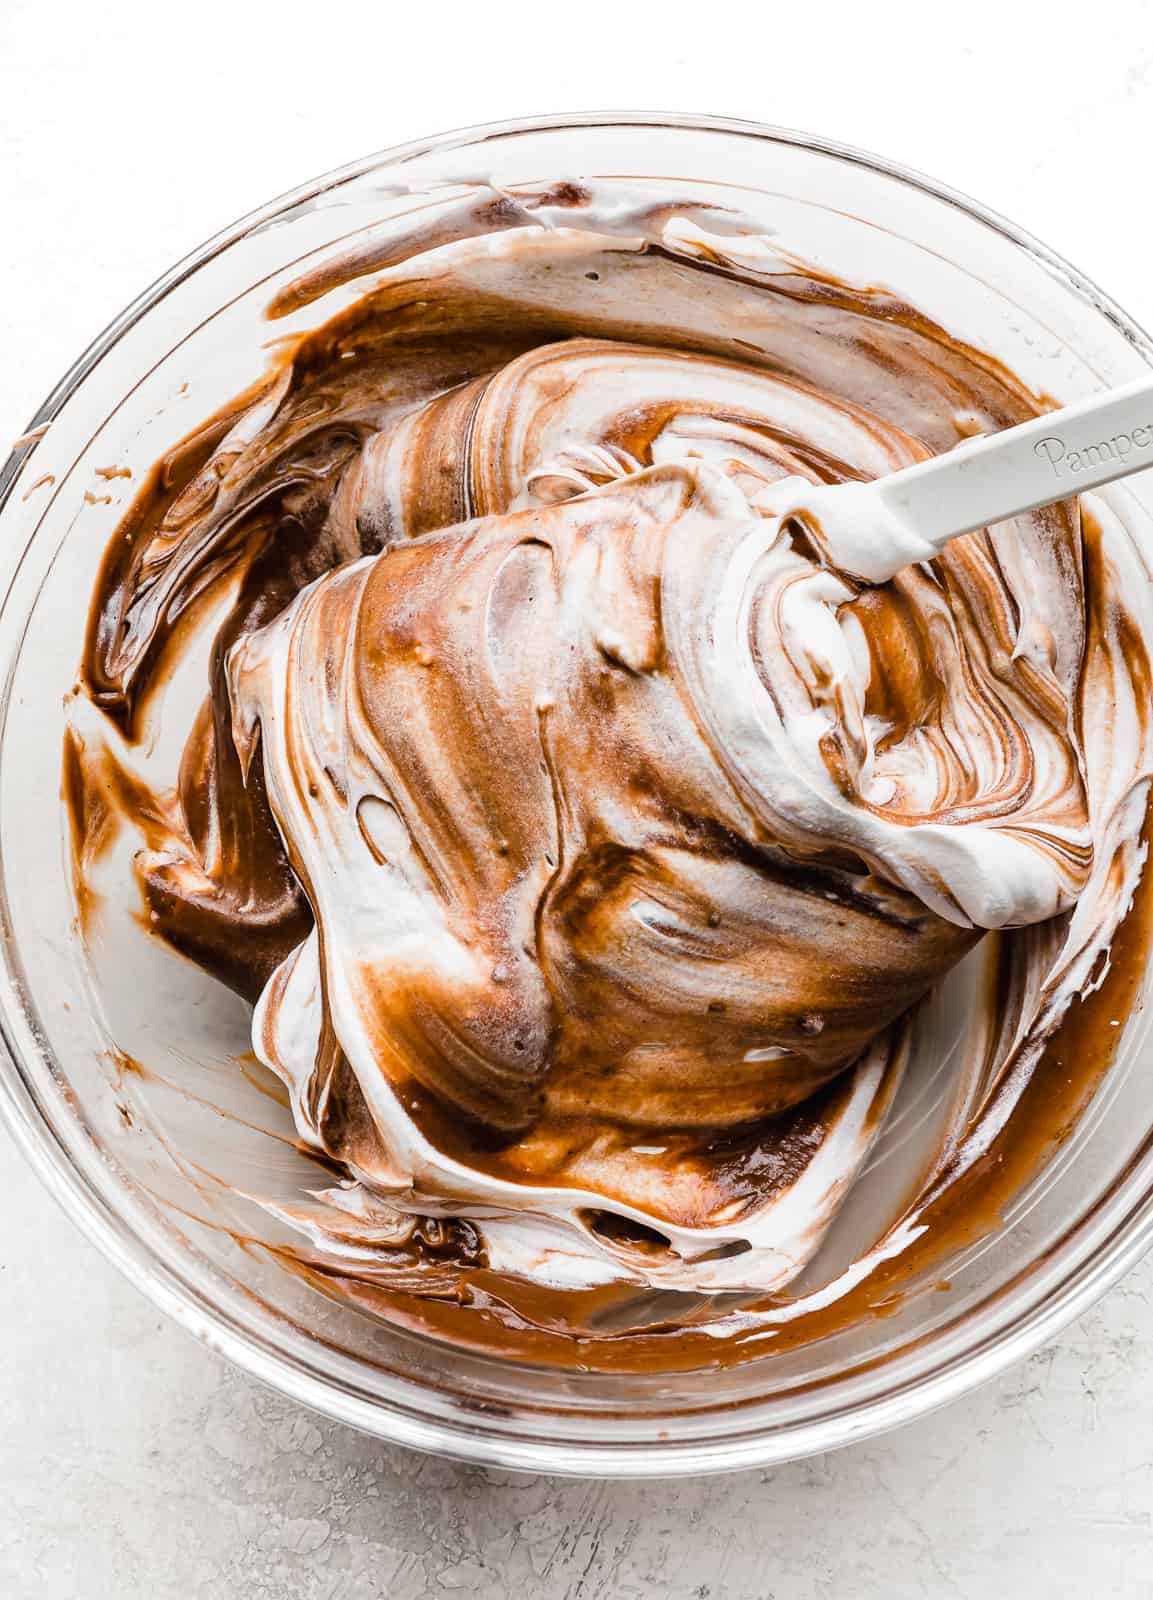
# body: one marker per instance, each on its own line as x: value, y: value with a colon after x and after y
x: 875, y: 529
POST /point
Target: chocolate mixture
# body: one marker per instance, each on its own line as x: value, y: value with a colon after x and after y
x: 586, y: 844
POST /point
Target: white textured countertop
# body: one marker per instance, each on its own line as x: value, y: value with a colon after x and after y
x: 133, y: 1464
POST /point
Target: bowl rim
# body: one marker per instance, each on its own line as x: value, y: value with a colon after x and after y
x: 86, y: 1188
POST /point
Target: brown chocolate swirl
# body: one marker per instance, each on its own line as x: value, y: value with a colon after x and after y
x: 588, y: 842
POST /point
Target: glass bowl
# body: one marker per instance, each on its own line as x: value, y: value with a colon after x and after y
x: 128, y: 1152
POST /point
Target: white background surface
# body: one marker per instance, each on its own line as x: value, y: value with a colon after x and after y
x: 133, y: 1464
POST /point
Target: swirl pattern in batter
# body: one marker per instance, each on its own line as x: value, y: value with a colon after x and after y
x: 587, y: 841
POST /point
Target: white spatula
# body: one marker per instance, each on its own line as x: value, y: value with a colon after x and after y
x: 872, y: 530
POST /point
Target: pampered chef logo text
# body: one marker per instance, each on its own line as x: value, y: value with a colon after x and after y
x: 1066, y: 462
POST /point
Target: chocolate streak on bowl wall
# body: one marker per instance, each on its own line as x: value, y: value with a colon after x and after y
x: 504, y: 366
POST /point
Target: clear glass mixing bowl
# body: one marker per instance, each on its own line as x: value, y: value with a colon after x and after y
x: 127, y: 1154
